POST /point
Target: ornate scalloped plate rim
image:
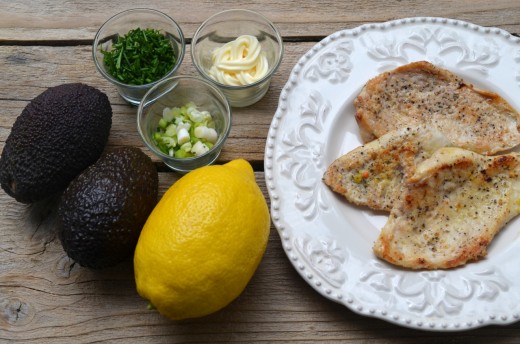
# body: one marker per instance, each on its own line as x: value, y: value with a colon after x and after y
x: 323, y: 285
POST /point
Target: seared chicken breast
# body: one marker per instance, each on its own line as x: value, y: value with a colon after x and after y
x: 373, y: 174
x: 421, y: 93
x: 450, y: 209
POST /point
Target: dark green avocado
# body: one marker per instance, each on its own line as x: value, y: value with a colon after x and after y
x: 102, y: 211
x: 57, y: 135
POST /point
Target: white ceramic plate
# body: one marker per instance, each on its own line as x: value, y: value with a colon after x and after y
x: 330, y: 241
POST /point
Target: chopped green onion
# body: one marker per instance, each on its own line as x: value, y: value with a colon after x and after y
x: 185, y: 132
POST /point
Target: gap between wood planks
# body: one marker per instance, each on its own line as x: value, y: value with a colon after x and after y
x: 76, y: 42
x: 258, y: 166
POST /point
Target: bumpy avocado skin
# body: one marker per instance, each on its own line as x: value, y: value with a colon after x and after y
x: 57, y: 135
x: 102, y: 211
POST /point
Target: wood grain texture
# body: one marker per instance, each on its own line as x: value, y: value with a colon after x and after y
x: 49, y: 20
x: 47, y: 298
x: 29, y: 70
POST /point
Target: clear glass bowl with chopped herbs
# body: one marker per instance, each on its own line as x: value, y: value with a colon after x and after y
x: 184, y: 121
x: 137, y: 48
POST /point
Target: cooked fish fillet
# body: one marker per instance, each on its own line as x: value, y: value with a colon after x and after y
x: 420, y: 92
x: 373, y: 174
x: 451, y: 209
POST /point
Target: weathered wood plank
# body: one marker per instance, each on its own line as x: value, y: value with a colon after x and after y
x: 46, y: 298
x: 28, y: 70
x: 48, y: 20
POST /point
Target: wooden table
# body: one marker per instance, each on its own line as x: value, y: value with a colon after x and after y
x: 46, y: 298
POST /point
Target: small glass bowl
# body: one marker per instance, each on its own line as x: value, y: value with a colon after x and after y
x: 176, y: 92
x: 120, y: 25
x: 226, y: 26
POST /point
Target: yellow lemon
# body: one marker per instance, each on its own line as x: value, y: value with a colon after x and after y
x: 203, y: 241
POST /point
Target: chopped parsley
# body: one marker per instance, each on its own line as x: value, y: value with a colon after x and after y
x: 140, y: 57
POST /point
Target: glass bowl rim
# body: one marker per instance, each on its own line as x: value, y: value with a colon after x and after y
x: 279, y: 39
x: 180, y: 58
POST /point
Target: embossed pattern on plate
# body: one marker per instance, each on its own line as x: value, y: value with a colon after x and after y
x: 330, y: 241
